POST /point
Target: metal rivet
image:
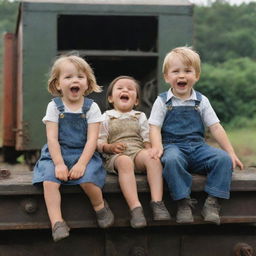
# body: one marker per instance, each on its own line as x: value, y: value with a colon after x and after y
x: 169, y: 108
x: 29, y: 205
x: 62, y: 115
x: 83, y: 115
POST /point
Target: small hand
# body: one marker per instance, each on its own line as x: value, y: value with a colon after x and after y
x: 61, y: 172
x: 236, y: 162
x: 118, y: 147
x: 155, y: 153
x: 77, y: 171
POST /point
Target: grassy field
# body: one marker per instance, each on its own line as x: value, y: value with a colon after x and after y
x: 244, y: 143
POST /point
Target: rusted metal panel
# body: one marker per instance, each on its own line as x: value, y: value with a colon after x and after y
x: 9, y: 89
x: 133, y: 37
x: 23, y: 207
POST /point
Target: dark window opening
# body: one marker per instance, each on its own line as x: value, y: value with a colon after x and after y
x: 134, y: 33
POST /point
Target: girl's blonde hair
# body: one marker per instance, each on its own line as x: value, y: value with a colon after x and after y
x: 111, y: 85
x: 187, y: 55
x: 81, y: 65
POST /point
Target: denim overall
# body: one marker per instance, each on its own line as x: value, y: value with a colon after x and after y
x: 72, y: 138
x: 186, y: 152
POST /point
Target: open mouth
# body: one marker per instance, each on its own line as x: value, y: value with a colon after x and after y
x: 74, y: 89
x: 124, y: 97
x: 182, y: 84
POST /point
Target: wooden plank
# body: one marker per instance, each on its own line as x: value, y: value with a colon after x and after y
x: 20, y: 182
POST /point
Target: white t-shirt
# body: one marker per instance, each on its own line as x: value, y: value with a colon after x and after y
x: 93, y: 115
x: 158, y: 111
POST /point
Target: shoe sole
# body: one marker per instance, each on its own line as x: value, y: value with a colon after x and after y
x: 162, y: 219
x: 185, y: 221
x: 209, y: 219
x: 142, y: 225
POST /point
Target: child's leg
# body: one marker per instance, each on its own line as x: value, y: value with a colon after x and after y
x: 154, y: 173
x: 52, y: 197
x: 125, y: 167
x: 95, y: 195
x: 105, y: 217
x: 53, y: 201
x: 175, y: 172
x: 143, y: 161
x: 217, y: 165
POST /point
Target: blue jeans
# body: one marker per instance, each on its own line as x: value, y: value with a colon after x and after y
x: 180, y: 160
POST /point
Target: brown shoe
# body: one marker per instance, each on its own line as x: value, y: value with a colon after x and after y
x: 137, y: 218
x: 105, y: 217
x: 60, y: 231
x: 184, y: 211
x: 211, y: 210
x: 159, y: 211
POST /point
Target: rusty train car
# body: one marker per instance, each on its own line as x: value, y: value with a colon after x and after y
x: 117, y: 37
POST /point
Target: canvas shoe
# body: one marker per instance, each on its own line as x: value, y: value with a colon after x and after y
x: 211, y: 210
x: 60, y: 231
x: 159, y: 211
x: 184, y: 211
x: 105, y: 217
x: 137, y: 218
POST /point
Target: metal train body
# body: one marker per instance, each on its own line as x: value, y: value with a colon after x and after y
x: 116, y: 37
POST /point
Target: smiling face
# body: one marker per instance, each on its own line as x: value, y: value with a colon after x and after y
x: 71, y: 82
x: 124, y: 95
x: 181, y: 77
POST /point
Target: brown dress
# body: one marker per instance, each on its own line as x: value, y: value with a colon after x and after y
x: 125, y: 130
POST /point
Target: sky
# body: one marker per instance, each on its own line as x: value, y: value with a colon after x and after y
x: 237, y: 2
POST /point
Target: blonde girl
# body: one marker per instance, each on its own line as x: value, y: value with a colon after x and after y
x: 69, y: 158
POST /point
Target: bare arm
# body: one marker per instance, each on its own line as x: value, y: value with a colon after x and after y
x: 221, y: 137
x: 61, y: 170
x: 78, y: 169
x: 156, y: 141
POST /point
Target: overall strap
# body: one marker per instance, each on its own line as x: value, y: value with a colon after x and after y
x: 163, y: 97
x: 198, y: 99
x: 59, y: 104
x: 87, y: 104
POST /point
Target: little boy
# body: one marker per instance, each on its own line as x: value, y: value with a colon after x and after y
x: 177, y: 125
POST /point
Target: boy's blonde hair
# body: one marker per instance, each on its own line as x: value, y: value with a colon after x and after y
x: 81, y: 65
x: 187, y: 55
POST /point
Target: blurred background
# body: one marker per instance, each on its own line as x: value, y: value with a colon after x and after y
x: 224, y: 35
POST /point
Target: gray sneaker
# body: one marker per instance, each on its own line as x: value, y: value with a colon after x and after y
x: 184, y: 211
x: 211, y: 210
x: 137, y: 218
x: 159, y: 211
x: 105, y: 217
x: 60, y: 231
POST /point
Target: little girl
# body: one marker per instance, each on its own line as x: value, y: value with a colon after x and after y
x: 124, y: 142
x: 72, y: 126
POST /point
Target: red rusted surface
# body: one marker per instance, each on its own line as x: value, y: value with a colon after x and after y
x: 9, y: 92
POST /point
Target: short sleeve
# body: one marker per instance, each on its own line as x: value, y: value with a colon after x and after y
x: 158, y: 113
x: 52, y: 113
x: 94, y: 114
x: 144, y: 127
x: 208, y: 114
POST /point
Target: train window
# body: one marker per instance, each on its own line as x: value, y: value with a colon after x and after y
x: 133, y: 33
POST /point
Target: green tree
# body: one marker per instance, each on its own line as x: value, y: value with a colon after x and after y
x: 223, y: 31
x: 230, y: 86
